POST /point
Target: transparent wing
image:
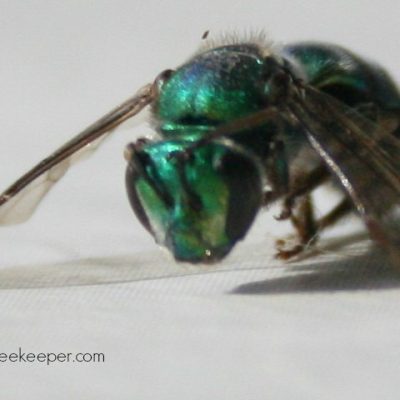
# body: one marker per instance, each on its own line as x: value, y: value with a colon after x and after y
x: 363, y: 155
x: 20, y: 200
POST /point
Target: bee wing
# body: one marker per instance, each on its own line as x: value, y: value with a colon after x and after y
x: 363, y: 155
x: 20, y: 200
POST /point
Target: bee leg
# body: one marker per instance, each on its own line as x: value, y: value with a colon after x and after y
x: 302, y: 185
x: 308, y: 228
x: 388, y: 240
x: 337, y: 213
x: 277, y: 173
x: 303, y: 220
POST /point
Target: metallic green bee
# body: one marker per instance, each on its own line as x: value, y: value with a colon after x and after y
x: 242, y: 126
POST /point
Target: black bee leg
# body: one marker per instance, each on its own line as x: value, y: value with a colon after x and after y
x: 300, y: 186
x: 340, y: 211
x: 391, y: 245
x: 306, y: 227
x: 389, y: 241
x: 276, y: 170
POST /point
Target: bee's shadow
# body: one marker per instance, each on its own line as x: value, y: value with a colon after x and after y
x: 362, y: 272
x: 368, y: 271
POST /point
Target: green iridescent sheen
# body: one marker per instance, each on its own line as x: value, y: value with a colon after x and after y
x: 328, y: 66
x: 200, y: 207
x: 192, y: 233
x: 214, y: 87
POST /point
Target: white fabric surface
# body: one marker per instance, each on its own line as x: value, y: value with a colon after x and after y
x: 83, y: 275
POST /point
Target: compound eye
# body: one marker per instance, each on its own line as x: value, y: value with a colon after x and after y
x: 134, y: 173
x: 146, y: 186
x: 163, y: 77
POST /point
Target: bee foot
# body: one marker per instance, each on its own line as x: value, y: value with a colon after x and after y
x: 286, y: 211
x: 287, y: 249
x: 290, y: 253
x: 285, y: 214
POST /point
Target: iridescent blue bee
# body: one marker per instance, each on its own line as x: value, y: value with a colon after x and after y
x: 244, y: 125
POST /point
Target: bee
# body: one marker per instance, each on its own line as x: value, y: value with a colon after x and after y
x: 241, y: 125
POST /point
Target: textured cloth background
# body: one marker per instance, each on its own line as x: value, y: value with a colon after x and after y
x: 83, y: 276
